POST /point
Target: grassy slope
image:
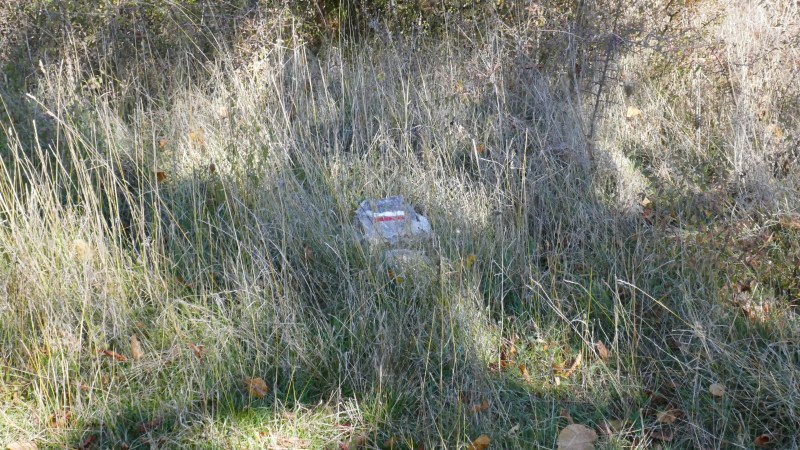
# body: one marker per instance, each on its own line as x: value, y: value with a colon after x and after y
x: 215, y: 226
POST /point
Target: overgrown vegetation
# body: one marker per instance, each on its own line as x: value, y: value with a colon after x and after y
x: 613, y: 187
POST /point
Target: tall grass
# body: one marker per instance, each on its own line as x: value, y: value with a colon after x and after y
x: 214, y: 226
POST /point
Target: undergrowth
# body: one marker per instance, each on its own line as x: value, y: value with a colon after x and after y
x: 614, y: 209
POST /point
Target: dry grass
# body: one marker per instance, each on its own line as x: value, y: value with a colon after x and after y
x: 215, y: 225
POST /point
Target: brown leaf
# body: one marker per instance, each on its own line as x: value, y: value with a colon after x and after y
x: 115, y: 355
x: 763, y: 441
x: 60, y: 419
x: 161, y: 176
x: 481, y: 443
x: 136, y: 348
x: 524, y: 371
x: 632, y: 112
x: 664, y: 435
x: 197, y: 350
x: 576, y: 437
x: 257, y: 387
x: 508, y: 352
x: 21, y: 446
x: 574, y: 366
x: 775, y: 130
x: 656, y: 398
x: 717, y: 390
x: 484, y: 405
x: 150, y: 425
x: 668, y: 417
x: 88, y: 442
x: 602, y: 351
x: 289, y: 443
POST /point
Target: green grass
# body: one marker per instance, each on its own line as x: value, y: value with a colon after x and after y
x: 214, y: 222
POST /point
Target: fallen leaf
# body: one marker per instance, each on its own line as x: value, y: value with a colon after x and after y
x: 60, y: 419
x: 656, y: 398
x: 763, y: 441
x: 574, y: 366
x: 161, y: 176
x: 668, y: 417
x: 632, y: 112
x: 508, y: 352
x: 290, y: 443
x: 661, y: 435
x: 88, y: 442
x: 136, y: 348
x: 21, y: 446
x: 197, y: 350
x: 484, y: 405
x: 150, y: 425
x: 481, y: 443
x: 115, y: 355
x: 257, y: 387
x: 775, y: 130
x: 717, y: 390
x: 524, y: 371
x: 576, y: 437
x: 602, y: 351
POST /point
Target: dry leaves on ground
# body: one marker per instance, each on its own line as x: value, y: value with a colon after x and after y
x: 257, y: 387
x: 577, y: 363
x: 150, y: 425
x: 602, y: 351
x: 136, y: 348
x: 717, y: 390
x: 661, y: 435
x: 576, y: 437
x: 116, y: 356
x: 668, y: 417
x: 763, y: 441
x: 632, y: 112
x: 481, y: 443
x: 483, y: 406
x: 21, y: 446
